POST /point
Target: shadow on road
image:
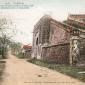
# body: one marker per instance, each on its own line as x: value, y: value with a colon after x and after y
x: 2, y: 68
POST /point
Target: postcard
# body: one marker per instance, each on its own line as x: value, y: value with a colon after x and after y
x: 42, y: 42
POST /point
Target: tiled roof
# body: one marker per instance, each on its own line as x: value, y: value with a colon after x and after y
x: 27, y: 46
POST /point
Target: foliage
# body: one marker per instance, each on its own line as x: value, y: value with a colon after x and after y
x: 83, y: 20
x: 74, y: 24
x: 5, y: 32
x: 77, y: 26
x: 2, y: 67
x: 15, y: 47
x: 20, y: 55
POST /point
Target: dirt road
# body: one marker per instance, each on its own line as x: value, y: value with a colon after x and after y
x: 20, y: 72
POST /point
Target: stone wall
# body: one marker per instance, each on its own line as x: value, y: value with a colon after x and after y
x: 50, y: 32
x: 56, y: 53
x: 82, y: 51
x: 52, y: 40
x: 77, y: 49
x: 40, y: 36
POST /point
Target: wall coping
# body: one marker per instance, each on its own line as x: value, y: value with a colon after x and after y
x: 60, y: 44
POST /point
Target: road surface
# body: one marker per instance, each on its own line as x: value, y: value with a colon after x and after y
x: 20, y: 72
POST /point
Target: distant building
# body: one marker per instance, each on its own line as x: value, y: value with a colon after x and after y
x: 26, y: 50
x: 53, y: 40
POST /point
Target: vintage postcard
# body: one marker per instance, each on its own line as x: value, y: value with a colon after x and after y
x: 42, y: 42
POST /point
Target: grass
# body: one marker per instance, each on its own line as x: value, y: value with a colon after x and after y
x: 2, y: 67
x: 65, y: 69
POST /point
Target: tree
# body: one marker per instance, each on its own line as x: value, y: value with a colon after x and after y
x: 5, y: 35
x: 15, y: 47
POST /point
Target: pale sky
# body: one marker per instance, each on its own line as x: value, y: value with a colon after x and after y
x: 25, y: 19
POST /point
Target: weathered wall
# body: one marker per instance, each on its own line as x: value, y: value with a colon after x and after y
x: 82, y: 51
x: 40, y: 36
x: 77, y: 49
x: 51, y: 40
x: 50, y: 32
x: 56, y: 53
x: 58, y: 34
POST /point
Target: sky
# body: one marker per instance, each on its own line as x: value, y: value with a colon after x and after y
x: 25, y: 19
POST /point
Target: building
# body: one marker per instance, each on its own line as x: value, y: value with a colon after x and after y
x: 26, y: 50
x: 77, y: 38
x: 53, y: 40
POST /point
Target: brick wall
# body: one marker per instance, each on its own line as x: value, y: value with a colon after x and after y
x: 56, y: 53
x: 58, y: 34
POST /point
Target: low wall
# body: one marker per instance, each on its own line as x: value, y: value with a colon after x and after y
x: 56, y: 53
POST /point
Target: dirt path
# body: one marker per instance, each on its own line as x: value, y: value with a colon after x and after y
x: 20, y: 72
